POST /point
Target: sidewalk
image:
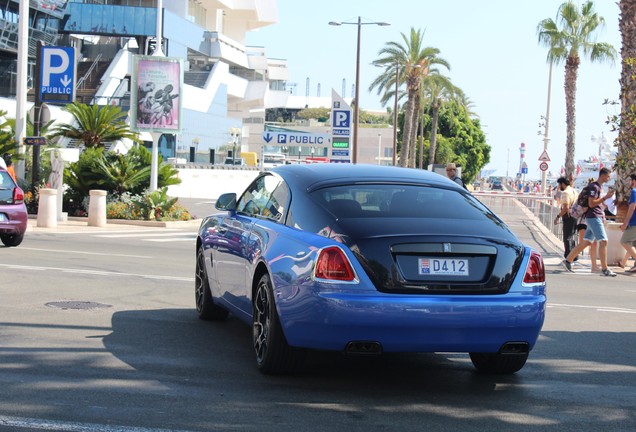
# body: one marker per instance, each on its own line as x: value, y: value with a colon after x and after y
x: 531, y: 231
x: 80, y: 224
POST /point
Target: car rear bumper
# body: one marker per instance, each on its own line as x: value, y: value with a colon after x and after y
x: 412, y: 323
x: 16, y: 223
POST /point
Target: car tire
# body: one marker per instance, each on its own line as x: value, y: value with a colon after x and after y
x: 494, y: 363
x: 11, y: 240
x: 206, y: 308
x: 274, y: 356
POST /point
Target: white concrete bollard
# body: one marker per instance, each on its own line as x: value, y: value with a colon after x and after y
x: 47, y: 208
x: 97, y: 208
x: 615, y: 250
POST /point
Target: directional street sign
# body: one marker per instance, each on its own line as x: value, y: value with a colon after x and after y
x: 57, y: 74
x: 34, y: 140
x: 296, y: 139
x: 544, y: 156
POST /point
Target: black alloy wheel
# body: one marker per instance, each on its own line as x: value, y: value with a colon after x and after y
x: 273, y: 354
x: 206, y: 308
x: 495, y: 363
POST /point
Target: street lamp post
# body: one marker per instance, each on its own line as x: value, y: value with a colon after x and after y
x: 356, y: 107
x: 546, y: 139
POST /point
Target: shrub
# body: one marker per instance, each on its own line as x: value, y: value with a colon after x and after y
x: 147, y: 206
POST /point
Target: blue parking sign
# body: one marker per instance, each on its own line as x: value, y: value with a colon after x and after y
x: 341, y: 118
x: 57, y: 74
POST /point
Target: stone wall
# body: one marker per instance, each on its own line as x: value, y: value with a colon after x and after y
x: 210, y: 183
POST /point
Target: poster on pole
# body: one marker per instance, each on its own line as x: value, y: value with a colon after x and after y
x: 157, y: 86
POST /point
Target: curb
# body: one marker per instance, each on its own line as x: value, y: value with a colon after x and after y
x: 79, y: 221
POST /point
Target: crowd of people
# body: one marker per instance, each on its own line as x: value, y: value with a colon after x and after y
x: 586, y: 227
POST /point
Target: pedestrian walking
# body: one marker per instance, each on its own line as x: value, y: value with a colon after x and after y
x: 567, y: 198
x: 628, y: 239
x: 594, y: 220
x: 581, y: 226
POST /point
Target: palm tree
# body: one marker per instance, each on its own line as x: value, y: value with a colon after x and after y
x: 437, y: 89
x: 626, y: 141
x: 96, y: 125
x: 7, y: 134
x: 415, y: 62
x: 7, y: 141
x: 573, y: 33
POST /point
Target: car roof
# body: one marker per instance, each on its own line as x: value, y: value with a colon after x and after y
x: 314, y: 176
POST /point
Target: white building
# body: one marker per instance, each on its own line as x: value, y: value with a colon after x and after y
x: 226, y: 84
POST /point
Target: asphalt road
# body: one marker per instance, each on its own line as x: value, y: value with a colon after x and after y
x: 98, y: 333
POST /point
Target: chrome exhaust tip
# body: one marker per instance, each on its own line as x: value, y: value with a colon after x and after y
x: 363, y: 348
x: 515, y: 348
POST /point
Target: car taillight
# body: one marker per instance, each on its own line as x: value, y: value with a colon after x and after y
x: 18, y: 195
x: 535, y: 271
x: 333, y: 264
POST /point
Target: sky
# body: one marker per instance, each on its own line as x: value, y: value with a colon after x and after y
x: 494, y: 54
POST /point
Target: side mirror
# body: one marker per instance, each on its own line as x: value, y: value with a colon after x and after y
x: 226, y: 202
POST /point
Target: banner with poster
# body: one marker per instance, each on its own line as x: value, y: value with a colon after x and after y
x: 157, y: 85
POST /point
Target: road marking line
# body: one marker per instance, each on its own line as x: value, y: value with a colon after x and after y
x: 145, y: 235
x: 98, y: 231
x: 56, y: 425
x: 598, y: 308
x: 171, y: 239
x: 85, y: 253
x: 96, y: 272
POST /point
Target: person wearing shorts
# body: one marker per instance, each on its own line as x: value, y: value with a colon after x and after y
x: 594, y: 220
x: 628, y: 239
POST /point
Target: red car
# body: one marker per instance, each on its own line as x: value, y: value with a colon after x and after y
x: 13, y: 212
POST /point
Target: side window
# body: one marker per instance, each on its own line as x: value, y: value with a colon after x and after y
x: 266, y: 197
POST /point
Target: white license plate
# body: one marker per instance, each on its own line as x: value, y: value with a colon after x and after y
x: 3, y: 217
x: 443, y: 266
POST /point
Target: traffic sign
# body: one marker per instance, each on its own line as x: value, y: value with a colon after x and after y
x: 341, y: 118
x: 543, y: 166
x: 34, y: 140
x: 544, y: 156
x: 57, y: 74
x: 341, y: 132
x: 296, y: 139
x: 339, y: 152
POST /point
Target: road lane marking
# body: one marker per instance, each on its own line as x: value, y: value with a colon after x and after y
x: 597, y: 308
x: 171, y: 234
x: 173, y: 239
x: 85, y: 231
x: 96, y: 272
x: 86, y: 253
x: 56, y: 425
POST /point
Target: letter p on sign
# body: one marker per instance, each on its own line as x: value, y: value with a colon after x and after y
x: 55, y: 61
x: 341, y: 119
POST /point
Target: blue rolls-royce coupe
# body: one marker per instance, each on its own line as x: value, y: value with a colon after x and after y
x: 368, y: 259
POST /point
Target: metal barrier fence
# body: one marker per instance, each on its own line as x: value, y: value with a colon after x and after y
x: 546, y: 210
x: 542, y: 206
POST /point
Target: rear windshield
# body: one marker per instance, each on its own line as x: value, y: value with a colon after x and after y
x: 402, y: 201
x: 6, y: 188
